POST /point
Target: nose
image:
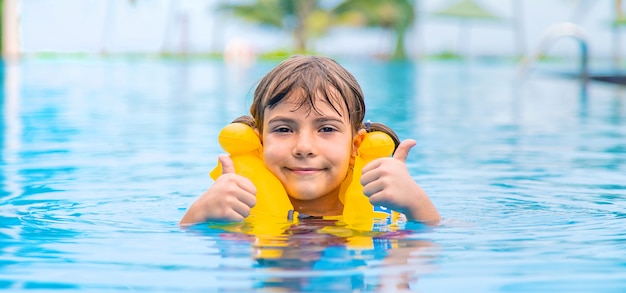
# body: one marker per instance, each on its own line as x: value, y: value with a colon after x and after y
x: 305, y: 145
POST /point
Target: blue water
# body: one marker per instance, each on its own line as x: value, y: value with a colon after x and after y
x: 100, y: 159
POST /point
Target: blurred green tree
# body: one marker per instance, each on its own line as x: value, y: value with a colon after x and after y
x: 394, y: 15
x: 302, y: 18
x: 306, y: 19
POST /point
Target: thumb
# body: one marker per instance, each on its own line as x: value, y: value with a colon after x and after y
x: 227, y: 164
x: 402, y: 152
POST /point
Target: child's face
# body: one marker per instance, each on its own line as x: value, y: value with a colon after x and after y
x: 308, y: 151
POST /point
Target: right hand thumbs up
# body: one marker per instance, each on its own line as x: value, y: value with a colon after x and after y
x: 227, y: 164
x: 230, y: 198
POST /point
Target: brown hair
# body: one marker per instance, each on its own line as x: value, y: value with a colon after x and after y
x: 312, y: 75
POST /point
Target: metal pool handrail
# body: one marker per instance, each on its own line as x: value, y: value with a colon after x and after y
x: 551, y: 34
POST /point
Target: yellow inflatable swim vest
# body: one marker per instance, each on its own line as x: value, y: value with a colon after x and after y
x: 244, y: 147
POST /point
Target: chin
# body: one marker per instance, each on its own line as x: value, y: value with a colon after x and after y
x: 304, y: 195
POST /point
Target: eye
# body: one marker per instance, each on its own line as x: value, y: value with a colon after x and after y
x: 327, y: 129
x: 282, y: 129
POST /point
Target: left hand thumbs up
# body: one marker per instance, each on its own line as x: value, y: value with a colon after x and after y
x: 402, y: 152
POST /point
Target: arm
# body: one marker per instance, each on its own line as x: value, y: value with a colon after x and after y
x: 387, y: 182
x: 228, y: 199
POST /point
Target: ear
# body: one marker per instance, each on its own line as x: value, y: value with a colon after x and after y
x: 356, y: 143
x: 256, y: 131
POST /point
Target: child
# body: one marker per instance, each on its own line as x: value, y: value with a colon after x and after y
x: 308, y: 112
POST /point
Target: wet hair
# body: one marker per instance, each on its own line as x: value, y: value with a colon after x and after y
x: 304, y: 79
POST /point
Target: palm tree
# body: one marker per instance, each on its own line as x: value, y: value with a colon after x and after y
x: 394, y: 15
x: 307, y: 18
x: 302, y: 18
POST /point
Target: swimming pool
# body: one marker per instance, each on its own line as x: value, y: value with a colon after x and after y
x: 101, y: 158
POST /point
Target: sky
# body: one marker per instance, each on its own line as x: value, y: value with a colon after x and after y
x: 150, y: 26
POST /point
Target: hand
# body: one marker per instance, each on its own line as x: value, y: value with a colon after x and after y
x: 230, y: 198
x: 387, y: 182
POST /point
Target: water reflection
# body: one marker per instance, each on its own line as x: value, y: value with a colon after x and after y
x: 618, y: 109
x: 10, y: 127
x: 389, y: 93
x: 316, y: 255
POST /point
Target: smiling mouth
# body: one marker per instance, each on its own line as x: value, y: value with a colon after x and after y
x: 304, y: 171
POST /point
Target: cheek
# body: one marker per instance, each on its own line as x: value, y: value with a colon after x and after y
x: 273, y: 153
x: 341, y: 155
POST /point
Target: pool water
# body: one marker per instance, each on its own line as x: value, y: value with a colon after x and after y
x: 100, y: 159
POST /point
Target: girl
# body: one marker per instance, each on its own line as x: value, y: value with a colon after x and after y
x: 308, y: 112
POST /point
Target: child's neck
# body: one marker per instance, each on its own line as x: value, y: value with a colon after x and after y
x: 331, y: 206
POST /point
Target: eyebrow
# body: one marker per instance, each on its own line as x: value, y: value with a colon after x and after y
x: 318, y: 120
x: 328, y: 119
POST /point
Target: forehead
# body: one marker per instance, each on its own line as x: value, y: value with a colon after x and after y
x: 322, y: 102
